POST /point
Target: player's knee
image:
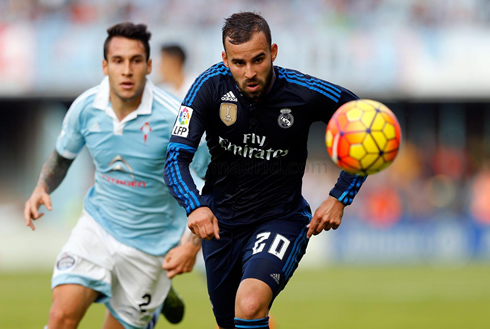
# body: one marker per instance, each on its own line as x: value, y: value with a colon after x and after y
x: 60, y: 317
x: 250, y: 307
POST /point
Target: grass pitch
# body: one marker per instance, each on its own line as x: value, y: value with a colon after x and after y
x: 337, y: 297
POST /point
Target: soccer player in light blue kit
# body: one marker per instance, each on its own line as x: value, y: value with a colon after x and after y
x: 129, y: 221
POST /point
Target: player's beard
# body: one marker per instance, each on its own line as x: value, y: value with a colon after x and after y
x: 264, y: 84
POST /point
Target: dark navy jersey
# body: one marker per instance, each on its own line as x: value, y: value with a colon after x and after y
x: 258, y: 149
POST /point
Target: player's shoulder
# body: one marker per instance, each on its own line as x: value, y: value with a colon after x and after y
x: 212, y: 77
x: 164, y: 102
x: 305, y: 83
x: 214, y: 74
x: 83, y: 102
x: 217, y: 70
x: 87, y: 97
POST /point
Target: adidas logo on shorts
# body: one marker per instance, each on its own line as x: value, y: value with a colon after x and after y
x: 229, y: 97
x: 276, y: 277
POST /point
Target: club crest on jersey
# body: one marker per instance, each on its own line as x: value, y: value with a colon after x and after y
x: 146, y: 129
x: 65, y: 262
x: 285, y: 119
x: 228, y: 113
x: 181, y: 127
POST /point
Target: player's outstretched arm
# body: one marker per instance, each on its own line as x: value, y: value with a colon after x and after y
x: 181, y: 259
x: 327, y: 216
x: 52, y: 174
x: 203, y: 223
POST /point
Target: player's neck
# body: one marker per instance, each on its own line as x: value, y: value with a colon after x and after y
x: 123, y: 107
x: 271, y: 83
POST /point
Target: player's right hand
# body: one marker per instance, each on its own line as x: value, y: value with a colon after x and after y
x: 203, y: 223
x: 39, y: 197
x: 180, y: 259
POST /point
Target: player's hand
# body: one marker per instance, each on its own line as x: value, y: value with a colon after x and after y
x: 180, y: 259
x: 203, y: 223
x: 327, y: 216
x: 39, y: 197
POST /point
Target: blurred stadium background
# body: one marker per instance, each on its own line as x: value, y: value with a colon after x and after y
x: 413, y: 249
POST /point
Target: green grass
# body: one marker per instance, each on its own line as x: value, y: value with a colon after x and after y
x: 338, y: 297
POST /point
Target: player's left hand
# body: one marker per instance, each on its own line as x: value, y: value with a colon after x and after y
x: 327, y: 216
x: 180, y: 259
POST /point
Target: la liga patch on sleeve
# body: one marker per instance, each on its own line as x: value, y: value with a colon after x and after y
x: 181, y: 127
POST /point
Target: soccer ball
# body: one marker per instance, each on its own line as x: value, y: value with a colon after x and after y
x: 363, y: 137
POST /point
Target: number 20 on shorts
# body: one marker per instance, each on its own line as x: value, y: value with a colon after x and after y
x: 278, y: 247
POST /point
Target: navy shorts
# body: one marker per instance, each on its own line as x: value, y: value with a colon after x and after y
x: 269, y: 251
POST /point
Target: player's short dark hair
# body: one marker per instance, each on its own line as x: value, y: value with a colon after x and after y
x: 129, y: 31
x: 240, y: 27
x: 174, y: 50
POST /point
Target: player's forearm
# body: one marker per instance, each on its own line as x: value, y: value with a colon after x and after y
x: 193, y: 242
x: 53, y: 172
x: 196, y: 241
x: 178, y: 178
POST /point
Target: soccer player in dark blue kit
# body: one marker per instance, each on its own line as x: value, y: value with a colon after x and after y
x: 254, y: 221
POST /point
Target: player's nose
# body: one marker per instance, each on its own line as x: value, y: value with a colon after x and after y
x: 127, y: 70
x: 249, y: 71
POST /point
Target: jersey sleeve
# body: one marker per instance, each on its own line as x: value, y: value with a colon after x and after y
x: 70, y: 140
x: 184, y: 142
x: 347, y: 187
x: 328, y: 98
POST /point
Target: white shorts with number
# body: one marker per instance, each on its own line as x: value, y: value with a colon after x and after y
x: 131, y: 283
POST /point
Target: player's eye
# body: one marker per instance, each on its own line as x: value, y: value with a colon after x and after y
x: 259, y: 60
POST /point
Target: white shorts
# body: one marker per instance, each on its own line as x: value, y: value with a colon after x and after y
x: 132, y: 283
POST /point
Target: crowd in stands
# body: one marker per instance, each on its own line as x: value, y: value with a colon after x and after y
x: 202, y: 13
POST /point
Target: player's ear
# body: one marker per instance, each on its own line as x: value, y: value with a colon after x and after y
x: 150, y: 66
x: 104, y: 67
x: 225, y: 58
x: 274, y: 51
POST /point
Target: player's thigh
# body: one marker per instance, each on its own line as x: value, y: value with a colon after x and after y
x: 274, y: 251
x: 222, y: 259
x: 139, y: 288
x: 86, y: 259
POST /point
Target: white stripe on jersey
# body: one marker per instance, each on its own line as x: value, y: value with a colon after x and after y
x: 165, y: 94
x: 80, y: 98
x: 68, y: 155
x: 169, y: 103
x: 167, y: 97
x: 166, y: 105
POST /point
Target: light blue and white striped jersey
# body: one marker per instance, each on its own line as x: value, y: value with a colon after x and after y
x: 129, y: 198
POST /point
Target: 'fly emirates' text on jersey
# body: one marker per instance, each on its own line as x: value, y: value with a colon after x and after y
x: 258, y: 149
